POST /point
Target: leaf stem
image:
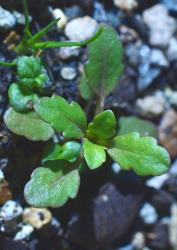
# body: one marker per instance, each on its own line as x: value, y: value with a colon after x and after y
x: 7, y: 64
x: 99, y: 104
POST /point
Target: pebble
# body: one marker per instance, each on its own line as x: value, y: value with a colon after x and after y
x: 138, y: 241
x: 151, y: 106
x: 173, y: 227
x: 11, y: 210
x: 161, y: 25
x: 58, y: 13
x: 170, y: 4
x: 37, y: 217
x: 148, y: 214
x: 7, y: 20
x: 168, y: 132
x: 171, y: 96
x: 127, y: 34
x: 126, y: 4
x: 24, y: 233
x: 115, y: 168
x: 69, y: 52
x: 5, y: 193
x: 157, y: 182
x: 73, y: 11
x: 20, y: 18
x: 172, y: 50
x: 158, y: 58
x: 68, y: 73
x: 100, y: 13
x: 81, y: 28
x: 1, y: 175
x: 9, y: 214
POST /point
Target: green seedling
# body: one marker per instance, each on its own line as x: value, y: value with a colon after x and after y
x: 84, y: 144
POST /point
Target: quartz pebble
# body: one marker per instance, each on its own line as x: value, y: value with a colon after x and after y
x: 161, y: 25
x: 148, y: 214
x: 1, y: 175
x: 172, y: 50
x: 81, y: 28
x: 68, y: 73
x: 24, y: 233
x: 157, y: 181
x: 37, y: 217
x: 138, y: 241
x: 68, y: 52
x: 151, y: 106
x: 126, y: 4
x: 7, y: 20
x: 58, y: 13
x: 170, y: 4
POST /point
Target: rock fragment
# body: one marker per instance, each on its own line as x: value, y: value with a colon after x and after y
x: 126, y: 4
x: 81, y: 28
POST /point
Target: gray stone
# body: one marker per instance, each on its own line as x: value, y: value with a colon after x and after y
x: 69, y: 52
x: 138, y: 241
x: 157, y: 182
x: 148, y: 214
x: 170, y: 4
x: 171, y: 96
x: 161, y: 25
x: 11, y: 210
x: 68, y: 73
x: 81, y: 28
x: 7, y: 20
x: 172, y: 50
x: 158, y: 58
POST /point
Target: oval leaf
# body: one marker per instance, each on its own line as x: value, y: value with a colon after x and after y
x: 28, y: 125
x: 133, y: 124
x: 64, y: 117
x: 52, y: 186
x: 141, y: 154
x: 69, y: 151
x: 94, y: 154
x: 105, y: 62
x: 102, y: 128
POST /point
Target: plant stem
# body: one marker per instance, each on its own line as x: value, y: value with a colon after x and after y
x: 99, y: 104
x: 26, y: 13
x: 7, y: 64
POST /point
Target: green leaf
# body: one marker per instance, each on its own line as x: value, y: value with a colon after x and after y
x: 105, y: 62
x: 84, y: 88
x: 69, y: 151
x: 141, y: 154
x: 64, y: 117
x: 52, y: 185
x: 102, y: 128
x: 94, y: 154
x: 33, y: 76
x: 20, y: 101
x: 133, y: 124
x: 28, y: 125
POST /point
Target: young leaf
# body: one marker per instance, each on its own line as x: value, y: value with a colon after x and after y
x: 64, y: 117
x: 52, y: 185
x: 69, y: 151
x: 141, y: 154
x: 105, y: 62
x: 28, y: 125
x: 133, y: 124
x: 102, y: 128
x: 94, y: 154
x: 84, y: 88
x: 33, y: 76
x: 20, y: 101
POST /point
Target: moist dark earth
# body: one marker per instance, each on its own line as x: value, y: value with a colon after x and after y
x: 114, y: 210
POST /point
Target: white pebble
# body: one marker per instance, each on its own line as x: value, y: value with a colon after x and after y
x: 148, y: 214
x: 68, y: 73
x: 58, y: 13
x: 126, y: 4
x: 11, y: 210
x: 157, y: 181
x: 24, y: 233
x: 7, y: 20
x: 81, y: 28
